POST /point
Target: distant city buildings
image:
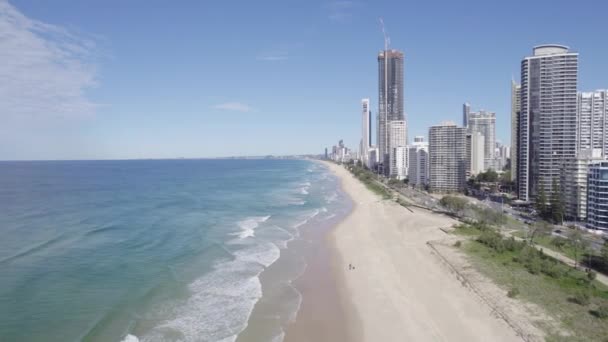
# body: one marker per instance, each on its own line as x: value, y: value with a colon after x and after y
x: 390, y: 102
x: 592, y: 108
x: 447, y: 157
x: 547, y: 120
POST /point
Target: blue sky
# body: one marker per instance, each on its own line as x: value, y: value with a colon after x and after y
x: 162, y: 79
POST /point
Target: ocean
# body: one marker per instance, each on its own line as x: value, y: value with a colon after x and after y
x: 157, y: 250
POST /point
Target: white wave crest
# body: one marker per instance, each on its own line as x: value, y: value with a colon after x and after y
x: 249, y: 225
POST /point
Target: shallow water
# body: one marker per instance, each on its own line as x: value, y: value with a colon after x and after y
x: 161, y: 250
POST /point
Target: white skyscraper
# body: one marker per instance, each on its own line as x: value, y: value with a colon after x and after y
x: 418, y: 162
x: 547, y: 121
x: 592, y: 132
x: 477, y: 153
x: 484, y: 123
x: 515, y: 109
x: 398, y: 152
x: 447, y: 157
x: 366, y: 131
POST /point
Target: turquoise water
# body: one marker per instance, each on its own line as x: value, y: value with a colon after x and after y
x: 148, y: 250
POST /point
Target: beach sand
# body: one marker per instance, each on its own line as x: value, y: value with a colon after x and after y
x: 399, y: 290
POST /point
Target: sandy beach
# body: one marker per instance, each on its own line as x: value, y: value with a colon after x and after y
x: 398, y: 290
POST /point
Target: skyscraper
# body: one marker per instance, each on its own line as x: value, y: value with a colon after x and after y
x: 592, y: 109
x: 447, y: 157
x: 366, y: 131
x: 547, y: 121
x: 398, y: 151
x: 466, y: 110
x: 515, y: 110
x: 418, y: 162
x: 475, y: 153
x: 390, y: 100
x: 484, y: 122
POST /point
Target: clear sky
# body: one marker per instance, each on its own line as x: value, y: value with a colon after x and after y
x: 104, y: 79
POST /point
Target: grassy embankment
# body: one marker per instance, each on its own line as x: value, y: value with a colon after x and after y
x: 369, y: 179
x: 572, y: 296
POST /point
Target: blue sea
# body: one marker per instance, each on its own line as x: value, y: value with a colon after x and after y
x: 155, y: 250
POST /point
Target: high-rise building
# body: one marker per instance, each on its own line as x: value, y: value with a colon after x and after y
x: 447, y: 157
x: 398, y: 152
x: 592, y: 133
x: 597, y: 192
x: 573, y: 183
x: 418, y: 162
x: 466, y: 110
x: 515, y: 110
x: 475, y: 146
x: 484, y: 123
x: 547, y: 121
x: 366, y: 131
x: 390, y: 99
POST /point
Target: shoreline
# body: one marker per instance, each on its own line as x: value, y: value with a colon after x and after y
x: 398, y: 290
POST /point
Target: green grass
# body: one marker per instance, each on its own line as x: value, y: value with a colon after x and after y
x: 545, y: 241
x: 368, y: 179
x: 553, y: 294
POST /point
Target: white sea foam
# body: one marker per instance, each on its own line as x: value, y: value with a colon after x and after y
x: 221, y: 301
x: 249, y: 225
x: 130, y: 338
x: 331, y: 198
x: 307, y: 218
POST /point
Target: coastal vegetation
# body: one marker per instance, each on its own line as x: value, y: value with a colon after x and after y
x: 578, y: 300
x: 369, y: 179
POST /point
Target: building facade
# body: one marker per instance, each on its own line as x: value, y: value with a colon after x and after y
x: 573, y: 183
x: 515, y: 110
x: 592, y: 108
x: 547, y: 121
x: 484, y: 122
x: 398, y: 153
x: 390, y: 100
x: 597, y: 196
x: 418, y: 162
x: 447, y: 157
x: 476, y: 153
x: 366, y: 131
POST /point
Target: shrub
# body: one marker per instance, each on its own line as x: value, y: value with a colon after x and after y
x: 582, y: 298
x: 602, y: 311
x: 457, y: 244
x: 591, y: 275
x: 513, y: 292
x: 534, y: 265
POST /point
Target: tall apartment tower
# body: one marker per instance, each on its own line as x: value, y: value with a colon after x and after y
x: 447, y: 157
x: 366, y: 131
x: 592, y: 132
x: 466, y: 110
x: 390, y: 100
x: 418, y: 162
x: 515, y: 110
x: 547, y: 121
x: 484, y: 122
x: 398, y: 151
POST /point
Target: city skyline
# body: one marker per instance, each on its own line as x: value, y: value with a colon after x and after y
x: 166, y: 98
